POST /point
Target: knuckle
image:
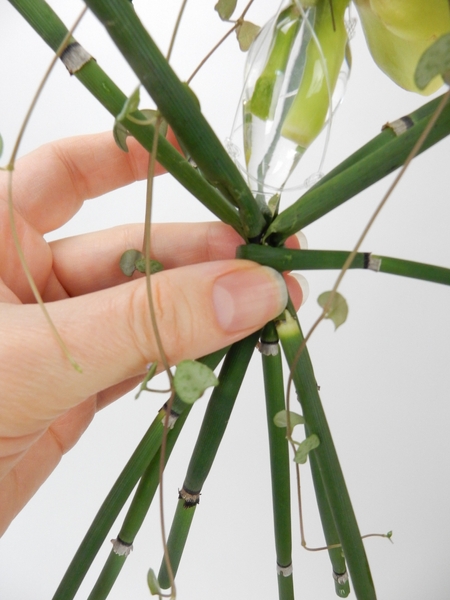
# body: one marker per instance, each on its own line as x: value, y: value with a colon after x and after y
x: 172, y: 316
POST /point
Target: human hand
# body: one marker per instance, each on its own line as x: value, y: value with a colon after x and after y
x: 204, y: 300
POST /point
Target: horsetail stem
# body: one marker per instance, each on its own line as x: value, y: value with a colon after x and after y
x: 279, y: 463
x: 52, y: 30
x: 136, y: 514
x: 120, y: 492
x: 179, y: 531
x: 110, y: 509
x: 337, y: 559
x: 291, y: 338
x: 179, y: 108
x: 416, y: 270
x: 368, y: 165
x: 331, y: 191
x: 385, y: 137
x: 285, y: 259
x: 211, y: 433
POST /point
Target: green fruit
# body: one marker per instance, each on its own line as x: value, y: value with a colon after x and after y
x: 396, y: 56
x: 414, y: 19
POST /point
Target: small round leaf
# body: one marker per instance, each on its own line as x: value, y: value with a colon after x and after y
x: 337, y: 311
x: 120, y: 133
x: 280, y: 419
x: 152, y: 583
x: 301, y: 454
x: 128, y: 261
x: 155, y: 265
x: 246, y: 33
x: 191, y: 379
x: 225, y: 8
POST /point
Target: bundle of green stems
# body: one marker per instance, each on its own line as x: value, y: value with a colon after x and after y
x: 213, y: 178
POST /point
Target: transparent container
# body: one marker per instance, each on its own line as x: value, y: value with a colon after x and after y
x: 275, y: 67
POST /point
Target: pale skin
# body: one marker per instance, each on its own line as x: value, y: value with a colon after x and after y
x: 103, y: 317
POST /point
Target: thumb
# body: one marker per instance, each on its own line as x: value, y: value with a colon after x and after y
x: 199, y: 309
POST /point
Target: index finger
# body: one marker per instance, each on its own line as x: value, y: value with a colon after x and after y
x: 51, y: 183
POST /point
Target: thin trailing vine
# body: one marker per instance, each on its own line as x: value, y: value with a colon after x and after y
x: 326, y: 308
x: 163, y: 356
x: 413, y: 153
x: 10, y: 169
x: 234, y: 27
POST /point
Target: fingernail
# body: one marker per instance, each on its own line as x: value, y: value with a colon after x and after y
x: 302, y: 240
x: 303, y: 282
x: 249, y: 298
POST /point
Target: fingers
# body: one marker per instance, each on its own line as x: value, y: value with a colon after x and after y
x: 22, y: 473
x: 51, y: 183
x: 199, y: 309
x: 90, y: 262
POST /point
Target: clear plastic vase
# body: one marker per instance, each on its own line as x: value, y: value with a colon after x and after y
x: 275, y: 67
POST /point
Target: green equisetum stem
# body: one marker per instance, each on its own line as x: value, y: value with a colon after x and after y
x: 136, y: 514
x: 115, y: 500
x: 360, y: 170
x: 285, y: 259
x: 52, y: 30
x: 279, y: 462
x: 291, y: 338
x: 340, y: 575
x: 144, y: 495
x: 179, y: 531
x: 179, y: 108
x: 211, y: 433
x: 385, y: 137
x: 416, y: 270
x: 371, y: 163
x: 110, y: 509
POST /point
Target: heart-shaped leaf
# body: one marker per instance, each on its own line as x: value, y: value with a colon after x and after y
x: 246, y: 33
x: 128, y: 261
x: 155, y: 265
x: 191, y: 379
x: 225, y: 8
x: 152, y: 583
x: 132, y: 260
x: 120, y: 133
x: 337, y: 311
x: 280, y: 419
x: 301, y: 454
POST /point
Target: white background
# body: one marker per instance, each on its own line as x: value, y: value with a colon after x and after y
x: 384, y: 375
